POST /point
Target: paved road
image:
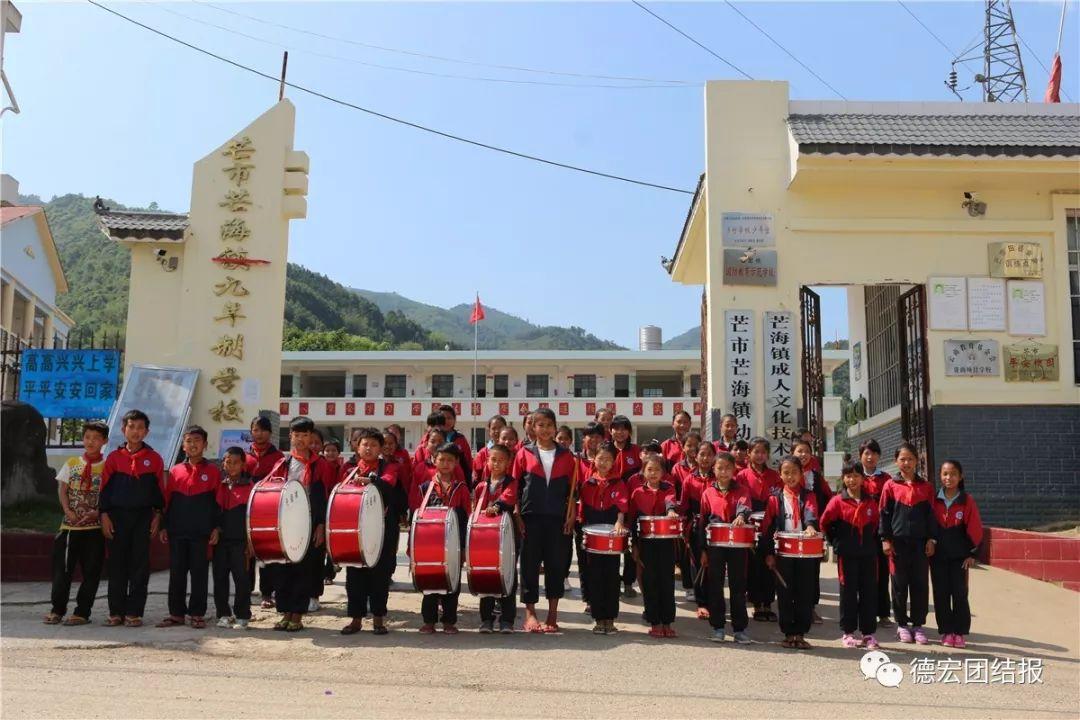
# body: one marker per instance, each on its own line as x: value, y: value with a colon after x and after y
x: 94, y: 671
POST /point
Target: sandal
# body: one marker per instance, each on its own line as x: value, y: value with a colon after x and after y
x: 169, y: 622
x: 801, y: 644
x: 550, y: 629
x: 113, y: 621
x: 198, y: 623
x: 52, y: 619
x: 281, y: 625
x: 294, y: 627
x: 380, y: 630
x: 702, y: 613
x: 789, y: 643
x: 267, y: 604
x: 656, y: 632
x: 535, y: 627
x: 352, y: 628
x: 76, y: 620
x: 133, y: 622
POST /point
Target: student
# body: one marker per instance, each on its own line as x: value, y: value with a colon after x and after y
x: 495, y: 427
x: 295, y: 580
x: 627, y: 464
x: 638, y: 479
x: 401, y: 454
x: 565, y: 437
x: 603, y: 499
x: 908, y: 530
x: 592, y: 437
x: 804, y: 435
x: 79, y: 542
x: 317, y: 579
x: 393, y: 454
x: 656, y: 556
x: 850, y: 525
x: 760, y: 481
x: 527, y: 429
x: 679, y: 474
x: 130, y: 505
x: 425, y: 470
x: 448, y: 489
x: 693, y: 486
x: 500, y: 496
x: 232, y: 549
x: 791, y: 509
x: 724, y: 501
x: 815, y: 482
x: 508, y: 438
x: 672, y: 448
x: 544, y: 472
x: 959, y: 533
x: 261, y: 459
x: 741, y: 453
x: 331, y: 452
x: 729, y: 433
x: 605, y: 416
x: 191, y: 527
x: 452, y: 435
x: 874, y: 479
x: 435, y: 421
x: 368, y: 588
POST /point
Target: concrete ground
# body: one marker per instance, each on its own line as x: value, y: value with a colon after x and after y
x: 93, y: 671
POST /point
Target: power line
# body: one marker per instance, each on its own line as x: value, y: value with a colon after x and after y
x: 1041, y: 63
x: 442, y: 58
x: 384, y: 116
x: 927, y: 29
x: 786, y: 51
x: 703, y: 47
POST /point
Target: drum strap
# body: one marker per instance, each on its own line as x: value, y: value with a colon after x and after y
x: 481, y: 501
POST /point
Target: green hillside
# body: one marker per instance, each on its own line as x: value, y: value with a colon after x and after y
x: 689, y: 340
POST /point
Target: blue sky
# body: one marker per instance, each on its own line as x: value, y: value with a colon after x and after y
x: 111, y: 109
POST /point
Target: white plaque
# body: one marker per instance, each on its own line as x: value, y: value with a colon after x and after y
x: 779, y: 353
x: 739, y: 369
x: 986, y: 304
x: 948, y: 303
x: 250, y: 389
x: 745, y: 230
x: 1027, y: 307
x: 972, y: 358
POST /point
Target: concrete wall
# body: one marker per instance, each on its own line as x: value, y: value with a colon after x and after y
x: 34, y: 273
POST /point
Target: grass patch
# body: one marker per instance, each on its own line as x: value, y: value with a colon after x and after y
x: 41, y: 515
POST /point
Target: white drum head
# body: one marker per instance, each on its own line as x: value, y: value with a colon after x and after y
x: 507, y: 566
x: 294, y: 521
x: 453, y: 551
x: 604, y: 529
x: 372, y: 525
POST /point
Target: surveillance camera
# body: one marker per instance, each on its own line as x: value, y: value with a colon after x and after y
x: 160, y: 252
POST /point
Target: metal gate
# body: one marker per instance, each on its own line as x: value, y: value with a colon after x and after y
x: 813, y: 380
x: 914, y: 377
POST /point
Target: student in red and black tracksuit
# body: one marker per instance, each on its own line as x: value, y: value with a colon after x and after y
x: 729, y: 434
x: 849, y: 523
x: 191, y: 527
x: 690, y: 505
x: 874, y: 479
x: 959, y: 534
x: 760, y: 481
x: 627, y: 464
x: 425, y: 469
x: 725, y: 501
x: 907, y: 531
x: 130, y: 505
x: 741, y: 453
x: 495, y: 427
x: 368, y: 588
x: 672, y: 448
x: 393, y: 453
x: 656, y: 556
x: 547, y: 475
x: 497, y: 494
x: 446, y: 490
x: 683, y: 469
x: 462, y: 442
x: 435, y: 421
x: 816, y: 483
x: 791, y: 509
x: 295, y: 580
x: 261, y: 460
x: 231, y: 551
x: 603, y: 500
x: 592, y: 437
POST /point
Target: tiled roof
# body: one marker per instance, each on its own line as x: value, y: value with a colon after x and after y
x: 946, y: 134
x: 14, y: 212
x: 136, y: 221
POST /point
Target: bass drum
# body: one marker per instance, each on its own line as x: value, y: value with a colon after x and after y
x: 489, y: 555
x: 279, y: 520
x: 355, y: 524
x: 435, y: 542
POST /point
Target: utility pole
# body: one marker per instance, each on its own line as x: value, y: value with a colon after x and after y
x: 1002, y: 78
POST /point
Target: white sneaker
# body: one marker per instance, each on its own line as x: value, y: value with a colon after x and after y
x: 241, y: 625
x: 224, y: 622
x: 566, y: 585
x: 690, y: 593
x: 313, y: 605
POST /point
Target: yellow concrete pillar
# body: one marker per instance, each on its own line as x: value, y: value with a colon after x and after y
x: 47, y: 331
x: 8, y: 302
x: 28, y: 320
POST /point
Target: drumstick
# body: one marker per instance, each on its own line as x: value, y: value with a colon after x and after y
x: 780, y: 578
x: 700, y: 574
x: 570, y: 502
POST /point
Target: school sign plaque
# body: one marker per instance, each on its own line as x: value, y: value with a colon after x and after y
x: 972, y: 358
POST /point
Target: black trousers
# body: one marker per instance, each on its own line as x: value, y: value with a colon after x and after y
x: 507, y: 606
x: 187, y: 556
x: 910, y: 575
x: 796, y: 601
x: 267, y: 580
x: 318, y: 560
x: 686, y: 566
x: 432, y: 604
x: 701, y: 592
x: 329, y: 573
x: 582, y: 562
x: 294, y: 582
x: 544, y: 542
x: 858, y: 593
x: 883, y: 598
x: 129, y: 561
x: 658, y: 580
x: 761, y: 583
x: 951, y: 595
x: 603, y: 584
x: 84, y: 549
x: 229, y: 561
x: 367, y: 590
x: 729, y: 562
x: 629, y: 568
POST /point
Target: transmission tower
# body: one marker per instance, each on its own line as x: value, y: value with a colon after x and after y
x: 1002, y: 78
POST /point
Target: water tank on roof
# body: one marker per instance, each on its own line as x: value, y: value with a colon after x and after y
x: 650, y: 337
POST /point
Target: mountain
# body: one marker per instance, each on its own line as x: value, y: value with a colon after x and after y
x: 498, y: 330
x: 689, y: 340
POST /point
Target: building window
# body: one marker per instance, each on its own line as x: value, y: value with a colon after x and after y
x: 394, y: 385
x: 882, y: 347
x: 479, y: 437
x: 1074, y: 286
x: 501, y: 387
x: 622, y: 386
x: 328, y: 385
x: 536, y: 386
x: 442, y: 386
x: 584, y: 386
x: 359, y: 385
x: 479, y: 386
x: 286, y: 386
x: 695, y: 385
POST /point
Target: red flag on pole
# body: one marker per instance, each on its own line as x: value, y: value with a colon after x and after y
x: 477, y: 312
x: 1053, y: 87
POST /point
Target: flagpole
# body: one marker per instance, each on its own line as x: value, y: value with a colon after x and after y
x: 1061, y: 25
x: 476, y: 362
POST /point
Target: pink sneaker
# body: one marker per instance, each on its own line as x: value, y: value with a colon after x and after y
x: 871, y: 642
x: 958, y: 641
x: 920, y: 637
x: 947, y: 640
x: 903, y: 634
x: 849, y: 641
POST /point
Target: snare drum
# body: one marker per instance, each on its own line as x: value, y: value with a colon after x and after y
x: 355, y: 524
x: 659, y: 527
x: 279, y: 520
x: 756, y: 519
x: 489, y: 555
x: 435, y: 542
x: 729, y: 536
x: 797, y: 545
x: 601, y: 539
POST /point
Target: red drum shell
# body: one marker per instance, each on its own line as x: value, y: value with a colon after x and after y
x: 279, y: 520
x: 797, y: 545
x: 435, y: 546
x: 659, y: 527
x: 602, y: 540
x: 730, y: 536
x: 489, y: 555
x: 355, y: 521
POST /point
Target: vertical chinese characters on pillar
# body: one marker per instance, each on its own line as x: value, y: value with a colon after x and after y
x: 779, y: 355
x: 739, y: 368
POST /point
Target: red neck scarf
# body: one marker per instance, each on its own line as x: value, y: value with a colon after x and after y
x: 796, y: 511
x: 87, y: 470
